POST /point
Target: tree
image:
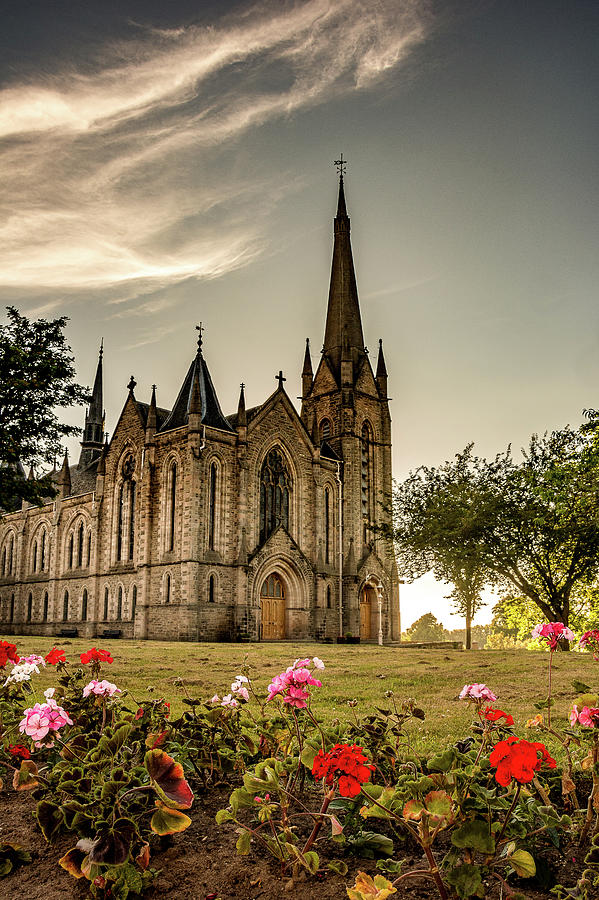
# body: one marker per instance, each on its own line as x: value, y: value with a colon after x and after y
x: 426, y: 628
x: 36, y: 378
x: 468, y: 582
x: 530, y: 527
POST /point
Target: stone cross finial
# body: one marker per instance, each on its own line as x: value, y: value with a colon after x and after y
x: 280, y: 378
x: 200, y: 329
x: 132, y: 384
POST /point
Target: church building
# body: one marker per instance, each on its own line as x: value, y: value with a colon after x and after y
x: 192, y: 525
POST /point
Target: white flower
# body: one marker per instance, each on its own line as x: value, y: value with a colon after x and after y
x: 318, y: 663
x: 229, y: 702
x: 49, y: 693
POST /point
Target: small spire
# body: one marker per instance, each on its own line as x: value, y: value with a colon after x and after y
x: 241, y: 413
x: 31, y: 476
x: 307, y: 370
x: 132, y: 384
x: 101, y: 349
x: 381, y: 369
x: 151, y: 420
x: 64, y: 477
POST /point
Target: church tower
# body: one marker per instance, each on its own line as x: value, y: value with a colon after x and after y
x: 93, y: 431
x: 345, y: 406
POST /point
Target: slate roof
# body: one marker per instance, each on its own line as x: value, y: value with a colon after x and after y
x: 211, y: 413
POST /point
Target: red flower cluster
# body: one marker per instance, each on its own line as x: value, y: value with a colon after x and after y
x: 346, y: 762
x: 519, y: 759
x: 16, y: 750
x: 55, y: 656
x: 493, y: 715
x: 7, y: 652
x: 94, y: 655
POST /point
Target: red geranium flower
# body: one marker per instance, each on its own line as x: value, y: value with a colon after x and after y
x: 23, y: 752
x: 55, y: 656
x: 346, y: 762
x: 493, y: 715
x: 519, y: 759
x: 7, y: 652
x: 94, y: 655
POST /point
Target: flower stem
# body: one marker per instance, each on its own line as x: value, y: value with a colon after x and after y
x: 319, y: 821
x: 549, y: 697
x: 508, y: 815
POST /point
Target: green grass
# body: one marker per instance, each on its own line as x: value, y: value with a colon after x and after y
x: 433, y: 678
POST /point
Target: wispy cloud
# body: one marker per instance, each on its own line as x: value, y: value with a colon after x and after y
x: 97, y: 192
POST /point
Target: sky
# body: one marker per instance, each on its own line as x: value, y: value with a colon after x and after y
x: 169, y: 163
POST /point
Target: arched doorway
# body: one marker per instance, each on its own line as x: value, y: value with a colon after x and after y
x: 272, y: 608
x: 366, y: 605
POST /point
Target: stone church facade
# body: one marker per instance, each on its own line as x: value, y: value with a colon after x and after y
x: 192, y: 525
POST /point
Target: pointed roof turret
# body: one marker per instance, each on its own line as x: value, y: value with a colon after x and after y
x: 242, y: 418
x: 343, y: 311
x: 64, y: 477
x: 197, y: 388
x: 91, y: 445
x: 381, y: 368
x: 151, y: 420
x: 307, y: 370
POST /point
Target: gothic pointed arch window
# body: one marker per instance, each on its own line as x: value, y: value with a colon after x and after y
x: 70, y: 551
x: 43, y: 551
x: 119, y: 604
x: 327, y: 525
x: 171, y: 506
x: 275, y: 492
x: 212, y: 505
x: 45, y: 608
x: 84, y: 606
x: 65, y: 607
x: 34, y: 561
x: 325, y: 429
x: 125, y: 514
x: 29, y: 607
x: 106, y: 599
x: 12, y: 608
x: 367, y: 478
x: 80, y: 540
x: 133, y: 602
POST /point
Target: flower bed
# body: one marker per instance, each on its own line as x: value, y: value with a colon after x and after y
x: 127, y: 799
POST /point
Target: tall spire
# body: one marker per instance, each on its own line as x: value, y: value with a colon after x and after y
x: 93, y: 432
x: 343, y: 312
x: 381, y: 370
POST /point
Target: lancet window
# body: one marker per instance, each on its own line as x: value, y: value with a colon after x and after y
x: 171, y: 506
x: 367, y: 478
x: 275, y: 491
x: 125, y: 536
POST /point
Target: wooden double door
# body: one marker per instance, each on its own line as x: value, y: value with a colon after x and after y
x: 366, y: 613
x: 272, y: 609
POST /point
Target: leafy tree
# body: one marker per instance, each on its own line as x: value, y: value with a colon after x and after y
x: 468, y: 583
x: 531, y: 528
x: 36, y: 378
x: 426, y: 628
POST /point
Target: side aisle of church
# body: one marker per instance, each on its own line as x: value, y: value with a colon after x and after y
x: 191, y: 525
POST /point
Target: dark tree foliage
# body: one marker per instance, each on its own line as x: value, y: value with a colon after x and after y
x: 531, y: 528
x: 36, y: 379
x: 426, y: 628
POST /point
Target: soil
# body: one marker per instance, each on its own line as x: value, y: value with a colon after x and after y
x: 202, y: 864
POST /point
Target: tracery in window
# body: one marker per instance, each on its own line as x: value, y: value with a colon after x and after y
x: 275, y: 490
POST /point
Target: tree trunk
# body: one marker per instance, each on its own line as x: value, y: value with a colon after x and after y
x: 468, y: 631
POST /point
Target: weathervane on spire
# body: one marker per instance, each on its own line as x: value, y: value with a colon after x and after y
x: 200, y: 329
x: 341, y: 166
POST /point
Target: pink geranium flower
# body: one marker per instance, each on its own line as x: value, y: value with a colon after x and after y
x: 590, y: 641
x: 43, y: 718
x: 553, y: 633
x: 101, y: 689
x: 293, y: 684
x: 588, y: 716
x: 477, y: 692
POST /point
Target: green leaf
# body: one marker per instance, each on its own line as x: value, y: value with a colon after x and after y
x: 474, y: 835
x: 243, y: 843
x: 240, y: 799
x: 337, y: 866
x: 438, y: 804
x: 308, y: 756
x: 413, y: 810
x: 522, y: 863
x: 581, y: 688
x: 168, y: 821
x: 311, y: 861
x: 466, y: 880
x: 224, y: 815
x: 441, y: 762
x: 5, y: 867
x: 50, y: 817
x: 168, y: 779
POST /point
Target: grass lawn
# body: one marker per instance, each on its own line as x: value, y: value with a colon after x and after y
x: 433, y: 677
